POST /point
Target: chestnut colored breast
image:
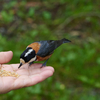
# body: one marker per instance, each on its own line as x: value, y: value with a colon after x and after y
x: 42, y: 58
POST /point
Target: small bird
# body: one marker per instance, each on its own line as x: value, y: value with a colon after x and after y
x: 40, y: 50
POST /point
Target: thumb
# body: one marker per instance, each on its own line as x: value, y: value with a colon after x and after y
x: 5, y: 57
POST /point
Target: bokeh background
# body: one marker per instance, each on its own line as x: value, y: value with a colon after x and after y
x: 77, y: 64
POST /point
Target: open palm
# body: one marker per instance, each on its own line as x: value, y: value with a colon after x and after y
x: 27, y: 76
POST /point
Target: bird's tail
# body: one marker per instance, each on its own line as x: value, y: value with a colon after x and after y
x: 64, y: 40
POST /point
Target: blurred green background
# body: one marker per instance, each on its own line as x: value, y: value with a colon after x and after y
x: 77, y: 64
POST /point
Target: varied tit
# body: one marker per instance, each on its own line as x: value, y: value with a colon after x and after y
x: 40, y: 50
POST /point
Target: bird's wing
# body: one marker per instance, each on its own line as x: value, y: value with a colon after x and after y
x: 47, y: 47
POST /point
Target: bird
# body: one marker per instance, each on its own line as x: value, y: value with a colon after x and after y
x: 40, y: 50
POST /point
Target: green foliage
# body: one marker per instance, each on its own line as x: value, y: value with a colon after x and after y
x: 7, y: 16
x: 77, y: 64
x: 31, y: 12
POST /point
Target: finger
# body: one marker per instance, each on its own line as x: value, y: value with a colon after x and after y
x: 36, y: 65
x: 45, y: 74
x: 47, y: 68
x: 40, y: 70
x: 26, y: 81
x: 40, y: 77
x: 32, y: 80
x: 5, y: 57
x: 33, y: 66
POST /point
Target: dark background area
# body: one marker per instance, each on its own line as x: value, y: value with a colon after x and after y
x: 76, y: 64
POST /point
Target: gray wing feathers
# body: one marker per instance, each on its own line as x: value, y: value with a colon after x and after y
x: 47, y: 48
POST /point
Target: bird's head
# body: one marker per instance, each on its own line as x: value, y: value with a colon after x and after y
x: 27, y: 56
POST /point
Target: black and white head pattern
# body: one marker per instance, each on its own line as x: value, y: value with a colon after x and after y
x: 28, y: 55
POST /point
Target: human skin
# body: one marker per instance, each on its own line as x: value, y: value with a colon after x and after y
x: 28, y: 76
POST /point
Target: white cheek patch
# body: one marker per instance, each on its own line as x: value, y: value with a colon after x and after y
x: 33, y: 59
x: 29, y: 51
x: 22, y: 61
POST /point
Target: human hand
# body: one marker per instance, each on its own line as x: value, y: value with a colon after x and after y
x: 28, y: 76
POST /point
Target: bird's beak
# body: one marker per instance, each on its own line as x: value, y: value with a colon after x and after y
x: 20, y: 65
